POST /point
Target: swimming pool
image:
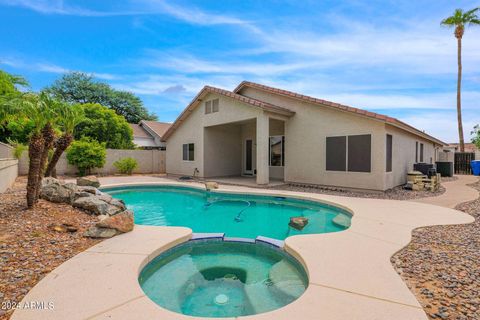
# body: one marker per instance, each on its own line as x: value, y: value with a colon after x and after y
x: 236, y: 215
x: 214, y: 278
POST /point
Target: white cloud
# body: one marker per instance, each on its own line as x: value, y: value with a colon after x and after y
x: 50, y: 68
x: 188, y: 64
x: 191, y: 14
x: 442, y: 125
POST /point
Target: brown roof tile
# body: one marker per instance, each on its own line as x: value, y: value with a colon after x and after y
x: 158, y: 127
x: 209, y: 89
x: 139, y: 132
x: 369, y: 114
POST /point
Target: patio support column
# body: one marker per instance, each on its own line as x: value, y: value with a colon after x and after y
x: 262, y: 149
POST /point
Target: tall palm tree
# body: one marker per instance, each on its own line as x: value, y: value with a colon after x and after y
x: 460, y: 20
x: 69, y: 117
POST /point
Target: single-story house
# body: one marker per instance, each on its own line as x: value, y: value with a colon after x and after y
x: 148, y: 134
x: 455, y: 147
x: 269, y: 133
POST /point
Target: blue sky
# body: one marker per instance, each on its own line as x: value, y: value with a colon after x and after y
x: 386, y: 56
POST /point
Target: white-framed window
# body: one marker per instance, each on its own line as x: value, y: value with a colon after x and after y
x: 188, y: 150
x: 211, y: 106
x: 277, y: 151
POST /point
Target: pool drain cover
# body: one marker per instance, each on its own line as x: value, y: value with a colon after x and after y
x: 221, y: 299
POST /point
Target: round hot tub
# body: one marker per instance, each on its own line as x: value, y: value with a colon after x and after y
x: 215, y: 278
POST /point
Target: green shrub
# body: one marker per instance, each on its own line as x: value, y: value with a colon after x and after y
x: 126, y: 165
x: 86, y: 154
x: 18, y: 148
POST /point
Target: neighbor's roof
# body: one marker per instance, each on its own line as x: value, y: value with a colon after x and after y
x: 208, y: 89
x: 139, y: 132
x: 365, y: 113
x: 159, y: 128
x: 469, y: 147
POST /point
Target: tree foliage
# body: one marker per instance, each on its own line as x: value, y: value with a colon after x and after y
x: 104, y: 125
x: 476, y: 135
x: 11, y: 125
x: 78, y: 87
x: 460, y: 19
x: 86, y: 154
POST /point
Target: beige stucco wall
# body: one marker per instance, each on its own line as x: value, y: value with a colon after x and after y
x: 305, y: 143
x: 6, y: 151
x: 192, y: 131
x: 8, y: 173
x: 220, y: 137
x: 223, y: 151
x: 149, y: 161
x: 403, y: 155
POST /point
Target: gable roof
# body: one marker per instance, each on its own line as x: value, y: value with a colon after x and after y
x: 392, y: 121
x: 139, y: 132
x: 158, y: 128
x: 208, y: 89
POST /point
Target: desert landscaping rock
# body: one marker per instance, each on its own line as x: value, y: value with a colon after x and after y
x: 29, y: 249
x: 97, y: 232
x: 441, y: 266
x: 55, y: 191
x: 89, y: 189
x: 90, y: 181
x: 96, y: 205
x: 397, y: 193
x: 64, y: 227
x: 122, y: 222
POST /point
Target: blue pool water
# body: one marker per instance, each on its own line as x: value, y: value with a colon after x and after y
x: 223, y: 279
x: 245, y: 216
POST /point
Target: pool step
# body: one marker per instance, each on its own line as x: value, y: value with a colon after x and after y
x: 288, y: 285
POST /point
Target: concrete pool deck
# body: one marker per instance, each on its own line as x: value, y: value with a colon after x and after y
x: 350, y: 274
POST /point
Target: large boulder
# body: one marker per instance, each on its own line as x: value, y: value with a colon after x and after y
x: 90, y: 181
x: 55, y: 191
x: 96, y: 232
x: 89, y: 189
x: 122, y: 222
x: 96, y: 205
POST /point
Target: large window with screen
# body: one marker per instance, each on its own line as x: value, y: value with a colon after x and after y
x: 349, y: 153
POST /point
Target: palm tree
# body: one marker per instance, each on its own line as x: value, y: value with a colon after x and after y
x: 50, y: 112
x: 70, y: 116
x: 31, y: 105
x: 460, y: 20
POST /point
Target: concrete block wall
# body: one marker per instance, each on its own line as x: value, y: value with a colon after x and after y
x: 149, y: 161
x: 6, y: 151
x: 8, y: 173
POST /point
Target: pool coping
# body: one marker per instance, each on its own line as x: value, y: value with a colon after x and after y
x: 350, y: 274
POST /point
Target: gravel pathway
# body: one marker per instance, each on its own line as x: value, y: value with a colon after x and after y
x: 441, y: 266
x: 29, y: 249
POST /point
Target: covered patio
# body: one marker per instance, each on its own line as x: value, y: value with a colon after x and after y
x: 249, y: 152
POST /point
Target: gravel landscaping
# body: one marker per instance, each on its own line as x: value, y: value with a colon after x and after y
x: 398, y: 193
x: 34, y: 242
x: 441, y: 266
